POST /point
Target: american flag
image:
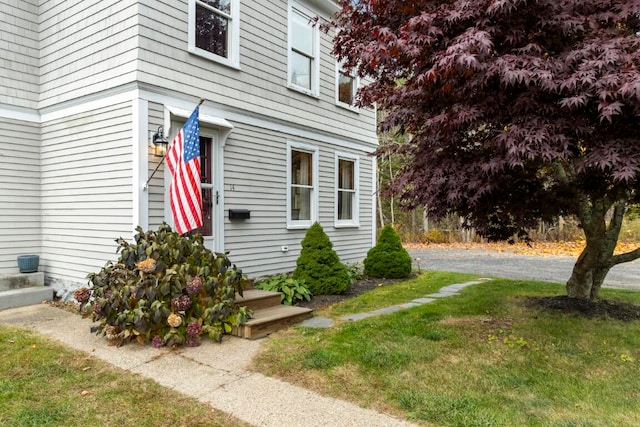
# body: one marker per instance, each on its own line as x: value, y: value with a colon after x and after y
x: 183, y: 161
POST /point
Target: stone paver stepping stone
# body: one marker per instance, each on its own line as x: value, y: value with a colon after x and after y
x: 446, y: 291
x: 317, y: 322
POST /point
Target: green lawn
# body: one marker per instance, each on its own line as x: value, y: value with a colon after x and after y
x: 45, y: 384
x: 481, y: 358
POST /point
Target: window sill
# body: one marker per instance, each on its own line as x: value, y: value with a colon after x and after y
x: 304, y: 91
x: 300, y: 226
x: 346, y: 225
x: 231, y: 63
x: 348, y: 107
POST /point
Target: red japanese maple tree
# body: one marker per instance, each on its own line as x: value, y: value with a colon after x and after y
x: 518, y: 110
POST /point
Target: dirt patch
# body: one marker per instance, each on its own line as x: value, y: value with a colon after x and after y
x: 360, y: 286
x: 618, y: 310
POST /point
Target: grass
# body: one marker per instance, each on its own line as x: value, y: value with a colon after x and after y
x: 479, y: 358
x: 45, y: 384
x: 390, y: 295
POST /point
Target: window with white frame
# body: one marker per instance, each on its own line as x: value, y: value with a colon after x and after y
x: 304, y: 48
x: 347, y: 194
x: 302, y: 184
x: 346, y: 87
x: 214, y: 30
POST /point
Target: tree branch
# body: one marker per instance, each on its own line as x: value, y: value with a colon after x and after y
x: 625, y: 257
x: 616, y: 220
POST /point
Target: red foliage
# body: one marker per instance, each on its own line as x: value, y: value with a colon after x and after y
x: 517, y: 109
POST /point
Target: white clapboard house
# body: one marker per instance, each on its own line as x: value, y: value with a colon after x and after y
x: 87, y: 86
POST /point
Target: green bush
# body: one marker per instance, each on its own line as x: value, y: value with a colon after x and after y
x: 292, y: 290
x: 165, y: 288
x: 319, y: 266
x: 388, y: 258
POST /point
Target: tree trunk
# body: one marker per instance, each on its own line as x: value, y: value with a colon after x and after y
x: 597, y: 258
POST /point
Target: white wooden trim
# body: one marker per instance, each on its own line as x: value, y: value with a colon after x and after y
x: 20, y: 114
x: 356, y: 83
x: 233, y: 60
x: 356, y: 185
x: 374, y: 193
x: 218, y: 122
x: 90, y: 105
x: 314, y: 91
x: 314, y: 208
x: 234, y: 116
x: 140, y: 148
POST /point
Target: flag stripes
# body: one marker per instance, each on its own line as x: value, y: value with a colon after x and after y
x: 183, y: 161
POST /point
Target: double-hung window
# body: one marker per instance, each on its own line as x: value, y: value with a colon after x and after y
x: 346, y: 87
x: 304, y: 48
x: 214, y: 30
x: 302, y: 183
x: 347, y: 194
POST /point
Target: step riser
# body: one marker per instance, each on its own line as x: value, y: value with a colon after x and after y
x: 19, y: 281
x: 25, y: 296
x: 253, y: 332
x: 269, y: 315
x: 258, y: 304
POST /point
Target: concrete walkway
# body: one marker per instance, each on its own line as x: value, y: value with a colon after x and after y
x: 213, y: 373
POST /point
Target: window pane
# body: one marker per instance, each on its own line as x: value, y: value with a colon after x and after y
x: 211, y: 31
x: 302, y: 34
x: 345, y: 205
x: 301, y: 168
x: 300, y: 70
x: 300, y: 204
x: 345, y: 89
x: 345, y: 174
x: 221, y: 5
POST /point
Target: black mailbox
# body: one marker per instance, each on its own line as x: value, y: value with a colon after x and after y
x: 239, y: 214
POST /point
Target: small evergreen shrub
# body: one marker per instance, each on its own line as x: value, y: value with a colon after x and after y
x: 292, y: 290
x: 388, y: 258
x: 165, y: 289
x: 319, y: 266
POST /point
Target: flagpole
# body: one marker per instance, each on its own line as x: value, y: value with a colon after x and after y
x: 146, y: 184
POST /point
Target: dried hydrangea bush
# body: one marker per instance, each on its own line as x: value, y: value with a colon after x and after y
x: 165, y: 289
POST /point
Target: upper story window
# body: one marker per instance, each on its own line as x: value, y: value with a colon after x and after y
x: 347, y: 194
x: 346, y: 87
x: 302, y: 182
x: 214, y: 30
x: 304, y: 48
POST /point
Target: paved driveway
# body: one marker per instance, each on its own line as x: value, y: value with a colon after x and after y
x: 512, y: 266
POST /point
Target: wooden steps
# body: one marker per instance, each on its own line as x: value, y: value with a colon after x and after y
x: 256, y: 299
x: 269, y: 315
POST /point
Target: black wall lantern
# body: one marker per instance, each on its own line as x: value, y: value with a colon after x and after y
x: 160, y: 143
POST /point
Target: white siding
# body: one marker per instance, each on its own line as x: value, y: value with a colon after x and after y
x: 255, y: 169
x: 260, y: 86
x: 86, y: 190
x: 19, y: 53
x: 19, y: 192
x: 86, y: 46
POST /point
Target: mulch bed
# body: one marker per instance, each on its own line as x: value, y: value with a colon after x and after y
x: 360, y: 286
x: 618, y: 310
